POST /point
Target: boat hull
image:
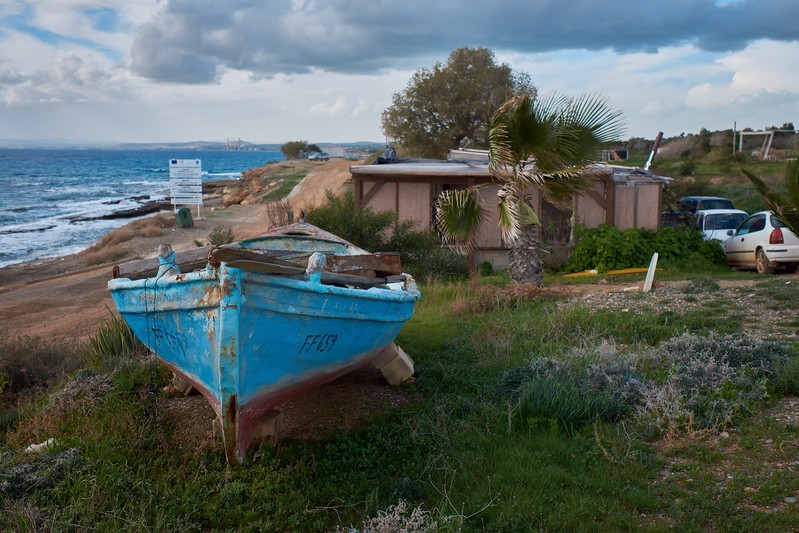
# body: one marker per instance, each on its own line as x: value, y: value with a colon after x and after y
x: 249, y: 340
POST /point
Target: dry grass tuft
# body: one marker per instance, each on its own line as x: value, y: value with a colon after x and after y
x: 118, y: 236
x: 97, y: 255
x: 153, y: 226
x: 108, y: 248
x: 490, y: 298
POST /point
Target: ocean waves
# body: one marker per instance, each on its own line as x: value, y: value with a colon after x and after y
x: 59, y: 202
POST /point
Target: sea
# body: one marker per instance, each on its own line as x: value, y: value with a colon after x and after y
x: 52, y: 201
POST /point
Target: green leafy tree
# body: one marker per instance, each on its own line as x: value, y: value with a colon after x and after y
x: 448, y: 105
x: 293, y: 149
x: 552, y: 144
x: 785, y: 206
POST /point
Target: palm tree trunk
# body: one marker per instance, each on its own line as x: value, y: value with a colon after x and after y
x: 525, y: 257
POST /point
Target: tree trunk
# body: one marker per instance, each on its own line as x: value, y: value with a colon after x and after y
x: 525, y: 257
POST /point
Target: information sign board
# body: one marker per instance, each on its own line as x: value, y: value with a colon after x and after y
x: 186, y: 186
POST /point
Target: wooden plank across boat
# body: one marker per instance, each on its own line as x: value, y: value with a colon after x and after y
x: 266, y: 319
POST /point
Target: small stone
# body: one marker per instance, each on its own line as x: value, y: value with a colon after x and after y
x: 750, y: 489
x: 769, y: 441
x: 790, y: 499
x: 724, y: 435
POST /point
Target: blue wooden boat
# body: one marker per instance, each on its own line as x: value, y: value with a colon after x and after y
x: 266, y: 319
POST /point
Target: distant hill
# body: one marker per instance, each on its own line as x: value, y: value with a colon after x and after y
x: 358, y: 146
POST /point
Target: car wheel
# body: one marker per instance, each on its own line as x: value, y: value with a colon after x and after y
x: 762, y: 262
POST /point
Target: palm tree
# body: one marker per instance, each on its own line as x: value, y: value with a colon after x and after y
x: 551, y: 144
x: 786, y: 208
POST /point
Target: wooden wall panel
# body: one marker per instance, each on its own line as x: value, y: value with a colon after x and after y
x: 415, y: 204
x: 625, y: 207
x: 489, y: 235
x: 649, y: 206
x: 587, y: 211
x: 384, y: 199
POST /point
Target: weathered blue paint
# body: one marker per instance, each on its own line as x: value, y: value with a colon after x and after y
x: 248, y: 340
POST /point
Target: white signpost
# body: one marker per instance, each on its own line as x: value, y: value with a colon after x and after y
x: 186, y: 186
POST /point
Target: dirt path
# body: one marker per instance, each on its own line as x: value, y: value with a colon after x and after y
x: 311, y: 191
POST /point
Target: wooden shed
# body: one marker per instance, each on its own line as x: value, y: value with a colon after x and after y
x: 626, y: 197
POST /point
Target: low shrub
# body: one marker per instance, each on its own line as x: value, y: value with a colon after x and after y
x: 606, y: 248
x: 420, y: 250
x: 786, y: 378
x: 221, y: 235
x: 574, y: 391
x: 397, y: 518
x: 701, y: 284
x: 32, y: 363
x: 114, y: 341
x: 688, y: 382
x: 709, y: 381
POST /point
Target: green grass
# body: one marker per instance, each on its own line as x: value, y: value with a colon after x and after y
x: 288, y: 182
x: 465, y: 452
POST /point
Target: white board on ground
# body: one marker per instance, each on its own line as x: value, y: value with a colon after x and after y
x: 650, y: 274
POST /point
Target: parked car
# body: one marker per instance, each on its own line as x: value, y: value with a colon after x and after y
x: 762, y: 242
x: 692, y: 204
x: 718, y: 224
x: 319, y: 156
x: 687, y: 206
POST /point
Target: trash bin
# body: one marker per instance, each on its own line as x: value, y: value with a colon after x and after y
x: 183, y: 216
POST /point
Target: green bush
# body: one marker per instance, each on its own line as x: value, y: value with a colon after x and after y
x: 606, y: 248
x: 687, y: 168
x: 420, y: 251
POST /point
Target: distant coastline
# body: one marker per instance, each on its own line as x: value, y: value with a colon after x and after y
x: 214, y: 146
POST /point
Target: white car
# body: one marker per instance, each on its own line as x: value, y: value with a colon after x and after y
x: 718, y: 224
x: 762, y: 242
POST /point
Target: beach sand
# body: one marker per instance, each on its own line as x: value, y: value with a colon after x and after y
x: 62, y: 298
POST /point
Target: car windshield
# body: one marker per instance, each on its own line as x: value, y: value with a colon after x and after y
x: 715, y: 203
x: 724, y: 221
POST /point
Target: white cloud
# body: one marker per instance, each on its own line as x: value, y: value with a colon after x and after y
x: 326, y: 70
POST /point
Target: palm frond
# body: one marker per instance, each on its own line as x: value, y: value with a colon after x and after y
x: 772, y: 199
x: 595, y: 113
x: 509, y: 213
x: 561, y: 187
x: 792, y: 182
x: 459, y: 215
x: 787, y: 209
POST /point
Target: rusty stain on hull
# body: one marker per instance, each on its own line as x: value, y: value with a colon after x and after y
x: 230, y: 430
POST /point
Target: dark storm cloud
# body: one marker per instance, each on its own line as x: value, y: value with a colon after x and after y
x: 192, y: 41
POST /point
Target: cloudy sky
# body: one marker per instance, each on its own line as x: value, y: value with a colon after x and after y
x: 324, y: 70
